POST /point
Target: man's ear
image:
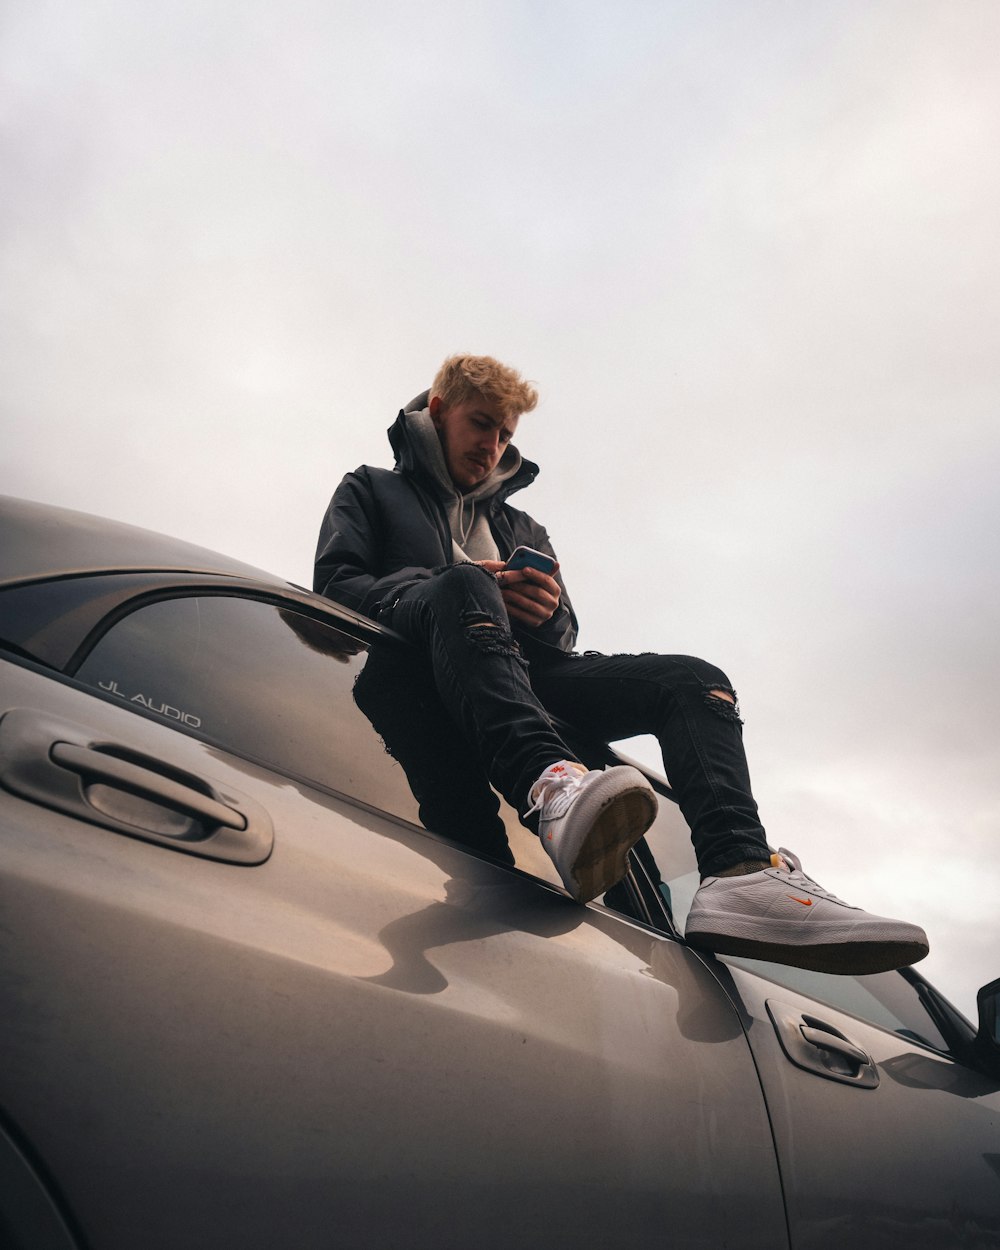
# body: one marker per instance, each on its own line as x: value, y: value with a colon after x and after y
x: 435, y: 406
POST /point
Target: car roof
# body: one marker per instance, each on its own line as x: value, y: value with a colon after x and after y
x: 40, y: 541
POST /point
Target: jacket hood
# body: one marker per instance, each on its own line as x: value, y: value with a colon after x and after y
x: 402, y: 440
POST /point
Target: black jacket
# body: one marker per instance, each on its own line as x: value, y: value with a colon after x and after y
x: 386, y: 529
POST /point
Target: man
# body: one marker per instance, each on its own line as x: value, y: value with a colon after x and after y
x: 424, y: 547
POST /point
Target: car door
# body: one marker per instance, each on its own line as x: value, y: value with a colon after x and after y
x: 886, y: 1136
x: 248, y: 1001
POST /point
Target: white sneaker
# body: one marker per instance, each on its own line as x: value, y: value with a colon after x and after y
x: 590, y: 821
x: 781, y: 914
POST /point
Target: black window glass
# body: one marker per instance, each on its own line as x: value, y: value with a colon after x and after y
x: 676, y: 869
x: 264, y: 681
x: 884, y: 998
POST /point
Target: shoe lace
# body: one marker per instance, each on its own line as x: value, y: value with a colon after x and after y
x: 553, y: 795
x: 790, y: 863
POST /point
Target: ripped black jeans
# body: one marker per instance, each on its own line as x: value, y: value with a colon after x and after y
x: 459, y: 620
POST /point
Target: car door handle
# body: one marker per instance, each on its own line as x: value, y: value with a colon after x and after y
x: 835, y: 1042
x: 817, y: 1046
x: 99, y: 766
x: 67, y: 767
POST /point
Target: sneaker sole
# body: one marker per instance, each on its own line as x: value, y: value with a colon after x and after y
x: 841, y: 958
x: 617, y: 824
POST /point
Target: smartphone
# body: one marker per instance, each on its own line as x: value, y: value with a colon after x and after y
x: 529, y: 558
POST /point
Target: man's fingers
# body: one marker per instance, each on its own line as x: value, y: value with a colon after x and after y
x: 533, y: 618
x: 538, y: 578
x: 529, y: 604
x: 521, y: 617
x: 530, y: 579
x: 529, y: 594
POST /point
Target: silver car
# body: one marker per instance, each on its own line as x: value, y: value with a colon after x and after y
x: 248, y: 1001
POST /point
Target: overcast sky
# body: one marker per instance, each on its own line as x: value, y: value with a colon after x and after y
x: 749, y: 250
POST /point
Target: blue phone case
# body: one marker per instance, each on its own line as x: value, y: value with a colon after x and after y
x: 527, y: 557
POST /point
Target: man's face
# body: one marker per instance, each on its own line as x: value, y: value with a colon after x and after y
x: 474, y: 435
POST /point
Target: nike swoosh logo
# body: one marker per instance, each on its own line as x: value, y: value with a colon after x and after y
x: 806, y: 902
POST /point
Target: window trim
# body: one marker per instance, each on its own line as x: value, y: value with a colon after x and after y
x: 111, y: 594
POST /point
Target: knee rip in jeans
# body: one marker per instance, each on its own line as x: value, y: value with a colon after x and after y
x: 723, y: 702
x: 490, y: 637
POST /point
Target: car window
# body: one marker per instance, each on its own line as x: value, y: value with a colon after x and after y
x: 884, y: 998
x: 308, y: 700
x: 265, y: 681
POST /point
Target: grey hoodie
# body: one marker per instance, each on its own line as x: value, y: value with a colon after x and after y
x: 467, y: 519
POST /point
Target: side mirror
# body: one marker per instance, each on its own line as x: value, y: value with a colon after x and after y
x: 986, y: 1047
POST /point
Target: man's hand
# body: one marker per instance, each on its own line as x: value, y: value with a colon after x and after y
x: 530, y: 595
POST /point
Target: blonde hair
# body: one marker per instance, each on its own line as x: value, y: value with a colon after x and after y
x: 462, y: 377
